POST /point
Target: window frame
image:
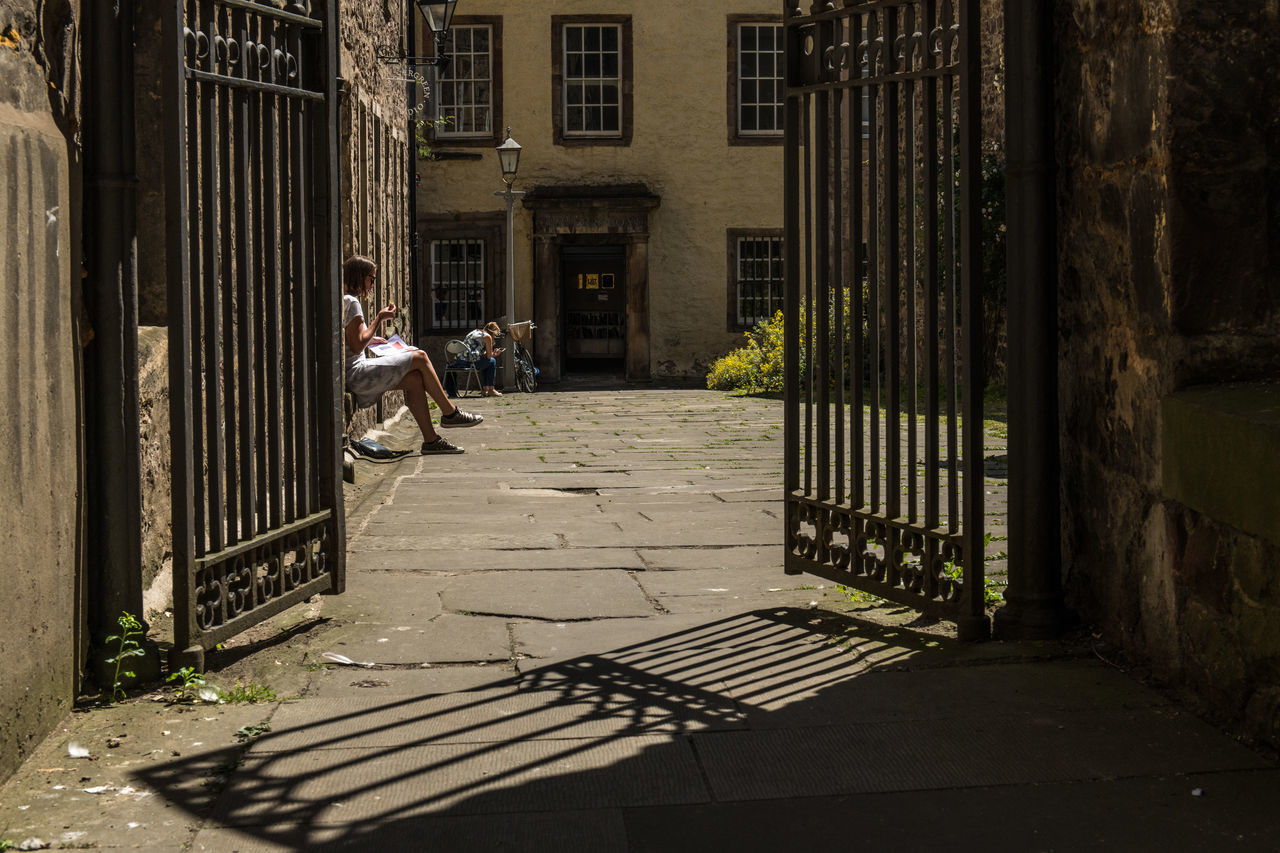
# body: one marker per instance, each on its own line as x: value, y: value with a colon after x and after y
x: 496, y: 133
x: 733, y: 237
x: 489, y: 227
x: 733, y: 87
x: 626, y: 82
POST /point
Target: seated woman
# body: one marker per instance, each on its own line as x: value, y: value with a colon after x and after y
x: 480, y: 342
x: 410, y: 371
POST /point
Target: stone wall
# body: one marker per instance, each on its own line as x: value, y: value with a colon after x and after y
x: 375, y: 167
x: 41, y: 640
x: 1169, y: 156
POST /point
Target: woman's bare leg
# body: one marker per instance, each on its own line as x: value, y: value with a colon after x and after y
x: 416, y: 400
x: 431, y: 382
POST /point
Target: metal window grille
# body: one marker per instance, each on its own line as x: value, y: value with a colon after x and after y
x: 465, y: 89
x: 760, y: 278
x: 760, y: 92
x: 458, y: 276
x: 593, y: 80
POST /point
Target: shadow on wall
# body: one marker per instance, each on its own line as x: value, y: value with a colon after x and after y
x: 702, y: 724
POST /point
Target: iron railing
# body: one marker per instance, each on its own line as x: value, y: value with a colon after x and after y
x: 253, y: 296
x: 884, y: 457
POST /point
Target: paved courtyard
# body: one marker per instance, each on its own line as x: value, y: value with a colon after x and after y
x: 578, y: 636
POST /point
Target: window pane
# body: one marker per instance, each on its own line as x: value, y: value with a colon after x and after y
x: 592, y: 94
x: 574, y: 94
x: 482, y: 66
x: 612, y: 122
x: 591, y: 38
x: 610, y: 39
x: 461, y: 39
x: 592, y: 66
x: 573, y: 65
x: 746, y: 37
x: 609, y: 94
x: 766, y: 38
x: 480, y: 40
x: 574, y: 37
x: 575, y: 119
x: 594, y: 118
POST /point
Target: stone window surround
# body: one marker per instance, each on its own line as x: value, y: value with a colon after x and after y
x: 733, y: 235
x: 557, y: 81
x: 494, y: 22
x: 731, y: 77
x: 490, y: 227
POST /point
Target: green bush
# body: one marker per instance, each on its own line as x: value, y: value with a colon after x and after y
x: 756, y: 367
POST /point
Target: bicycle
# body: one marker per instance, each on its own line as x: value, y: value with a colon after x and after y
x: 526, y: 371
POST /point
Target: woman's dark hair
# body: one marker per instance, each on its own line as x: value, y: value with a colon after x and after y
x: 354, y: 271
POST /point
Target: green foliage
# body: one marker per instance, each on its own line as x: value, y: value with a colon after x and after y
x: 189, y: 683
x: 250, y: 732
x: 250, y: 693
x: 995, y: 285
x: 128, y: 647
x: 421, y: 144
x: 757, y: 366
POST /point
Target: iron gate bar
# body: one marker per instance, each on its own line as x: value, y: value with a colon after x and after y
x: 890, y: 57
x: 257, y: 517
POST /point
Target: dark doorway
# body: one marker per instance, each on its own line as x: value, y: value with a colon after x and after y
x: 593, y: 284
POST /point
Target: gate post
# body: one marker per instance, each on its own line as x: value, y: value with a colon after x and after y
x: 1034, y: 606
x: 113, y: 469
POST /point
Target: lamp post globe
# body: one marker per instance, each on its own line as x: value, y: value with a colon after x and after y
x: 439, y: 14
x: 509, y: 158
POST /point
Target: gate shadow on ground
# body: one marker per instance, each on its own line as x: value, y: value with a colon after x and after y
x: 589, y: 734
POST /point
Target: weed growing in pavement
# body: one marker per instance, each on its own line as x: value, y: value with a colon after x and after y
x: 130, y: 631
x: 250, y: 693
x: 188, y: 685
x: 250, y: 732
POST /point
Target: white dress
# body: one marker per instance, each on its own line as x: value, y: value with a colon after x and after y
x: 369, y: 378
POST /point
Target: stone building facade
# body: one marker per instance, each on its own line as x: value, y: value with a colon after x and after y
x: 652, y: 159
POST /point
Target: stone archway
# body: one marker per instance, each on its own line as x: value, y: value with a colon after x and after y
x: 616, y: 214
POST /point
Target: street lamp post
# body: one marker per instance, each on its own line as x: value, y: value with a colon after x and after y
x: 509, y: 160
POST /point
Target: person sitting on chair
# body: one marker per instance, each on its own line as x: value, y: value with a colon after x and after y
x: 409, y: 371
x: 480, y: 342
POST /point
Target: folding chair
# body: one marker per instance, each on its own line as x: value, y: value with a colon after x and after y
x: 461, y: 369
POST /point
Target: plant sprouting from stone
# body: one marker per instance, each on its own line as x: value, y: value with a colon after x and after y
x: 188, y: 684
x: 127, y: 647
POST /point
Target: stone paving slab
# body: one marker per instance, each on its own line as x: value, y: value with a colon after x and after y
x: 347, y: 682
x: 728, y: 604
x: 586, y: 710
x: 562, y: 831
x: 448, y: 638
x: 549, y: 595
x: 569, y: 639
x: 687, y: 537
x: 997, y: 750
x: 1236, y: 812
x: 531, y: 559
x: 453, y: 539
x: 337, y: 786
x: 817, y: 699
x: 113, y: 798
x: 719, y: 558
x: 391, y: 597
x: 735, y: 581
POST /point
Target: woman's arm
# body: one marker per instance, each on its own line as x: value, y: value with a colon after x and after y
x: 489, y: 351
x: 359, y: 335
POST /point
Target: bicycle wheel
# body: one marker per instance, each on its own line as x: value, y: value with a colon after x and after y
x: 526, y: 374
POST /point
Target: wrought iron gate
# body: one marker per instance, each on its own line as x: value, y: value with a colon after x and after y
x: 251, y: 116
x: 883, y: 471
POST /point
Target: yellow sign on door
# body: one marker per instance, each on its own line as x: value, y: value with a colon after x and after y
x: 593, y: 281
